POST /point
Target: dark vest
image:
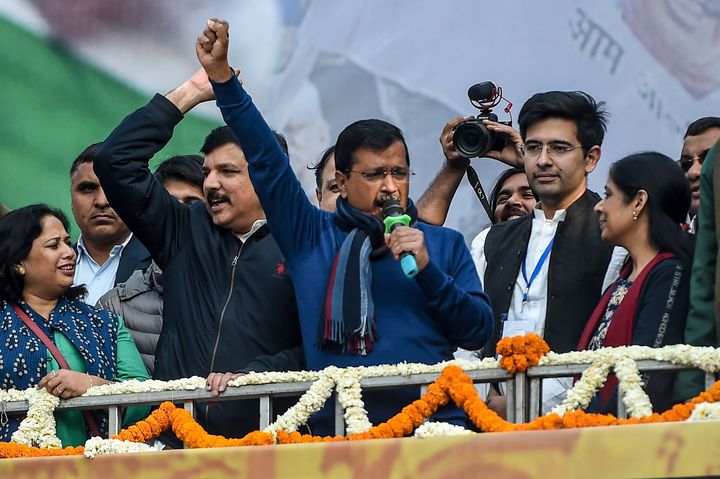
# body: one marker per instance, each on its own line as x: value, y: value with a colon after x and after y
x: 577, y: 267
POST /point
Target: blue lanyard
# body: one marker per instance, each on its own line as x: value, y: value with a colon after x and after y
x: 535, y: 272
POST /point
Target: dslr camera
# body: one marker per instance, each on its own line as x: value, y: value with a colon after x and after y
x: 471, y: 137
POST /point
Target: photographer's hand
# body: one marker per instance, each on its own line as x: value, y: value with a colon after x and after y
x: 514, y: 152
x: 434, y: 204
x: 453, y: 159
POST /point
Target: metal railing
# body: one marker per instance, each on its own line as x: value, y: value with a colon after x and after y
x: 523, y: 390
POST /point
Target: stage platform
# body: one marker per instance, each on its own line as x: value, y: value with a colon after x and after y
x: 652, y: 451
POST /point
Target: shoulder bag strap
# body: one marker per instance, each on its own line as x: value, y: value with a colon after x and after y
x: 89, y: 419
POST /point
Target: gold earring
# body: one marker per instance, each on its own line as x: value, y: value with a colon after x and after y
x: 635, y: 215
x: 20, y: 269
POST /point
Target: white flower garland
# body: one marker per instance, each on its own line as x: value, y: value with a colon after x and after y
x: 705, y: 358
x: 148, y: 386
x: 96, y: 446
x: 38, y: 428
x: 434, y: 429
x: 706, y: 411
x: 623, y: 360
x: 580, y: 395
x: 309, y: 403
x: 630, y: 384
x: 350, y: 398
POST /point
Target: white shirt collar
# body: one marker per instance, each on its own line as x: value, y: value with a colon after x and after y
x: 557, y: 218
x: 256, y: 226
x: 117, y: 249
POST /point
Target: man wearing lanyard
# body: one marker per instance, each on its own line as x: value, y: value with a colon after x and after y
x: 544, y: 271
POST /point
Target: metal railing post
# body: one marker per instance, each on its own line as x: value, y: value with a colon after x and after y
x: 535, y: 402
x: 511, y: 394
x: 113, y: 420
x: 521, y: 395
x: 621, y: 411
x: 710, y: 379
x: 339, y: 417
x: 189, y: 406
x: 265, y: 411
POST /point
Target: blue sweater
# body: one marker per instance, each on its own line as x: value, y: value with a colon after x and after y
x: 418, y: 320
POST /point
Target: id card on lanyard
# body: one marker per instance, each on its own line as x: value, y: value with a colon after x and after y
x: 520, y: 326
x: 536, y: 270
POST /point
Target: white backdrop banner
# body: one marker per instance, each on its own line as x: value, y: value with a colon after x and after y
x: 315, y: 66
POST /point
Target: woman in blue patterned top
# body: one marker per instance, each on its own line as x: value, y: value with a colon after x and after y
x: 37, y: 265
x: 647, y: 198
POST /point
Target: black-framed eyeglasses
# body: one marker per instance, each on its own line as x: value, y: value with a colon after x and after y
x: 554, y: 150
x: 686, y: 161
x: 399, y: 174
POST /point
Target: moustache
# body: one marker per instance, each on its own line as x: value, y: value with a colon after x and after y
x: 106, y: 213
x: 215, y: 196
x: 508, y: 212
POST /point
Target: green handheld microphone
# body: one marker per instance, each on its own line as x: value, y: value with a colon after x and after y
x: 394, y: 216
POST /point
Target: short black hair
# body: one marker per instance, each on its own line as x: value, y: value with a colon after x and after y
x: 185, y: 168
x: 373, y: 135
x: 18, y: 229
x: 320, y: 165
x: 223, y: 135
x: 590, y: 117
x: 701, y: 125
x: 86, y: 156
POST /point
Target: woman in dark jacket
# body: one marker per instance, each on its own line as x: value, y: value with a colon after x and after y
x: 647, y: 198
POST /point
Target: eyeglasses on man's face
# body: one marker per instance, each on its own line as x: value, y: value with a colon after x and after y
x: 399, y: 174
x: 686, y: 161
x: 533, y: 150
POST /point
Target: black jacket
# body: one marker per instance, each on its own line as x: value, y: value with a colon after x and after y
x: 135, y: 256
x: 577, y: 267
x: 659, y: 321
x: 228, y: 306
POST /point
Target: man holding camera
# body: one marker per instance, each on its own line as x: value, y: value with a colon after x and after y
x: 357, y: 306
x: 544, y: 271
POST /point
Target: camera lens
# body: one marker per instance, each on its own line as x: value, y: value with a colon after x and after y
x: 472, y: 139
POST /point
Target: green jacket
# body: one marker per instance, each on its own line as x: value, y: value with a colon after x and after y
x: 70, y: 424
x: 700, y: 329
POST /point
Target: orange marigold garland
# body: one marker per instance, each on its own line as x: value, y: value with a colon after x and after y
x: 150, y: 428
x: 15, y: 450
x: 401, y: 424
x: 186, y: 429
x: 453, y: 384
x: 521, y: 352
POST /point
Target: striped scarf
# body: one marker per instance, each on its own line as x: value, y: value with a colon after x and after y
x: 348, y: 322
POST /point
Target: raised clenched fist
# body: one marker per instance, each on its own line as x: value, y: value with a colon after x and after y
x: 212, y: 47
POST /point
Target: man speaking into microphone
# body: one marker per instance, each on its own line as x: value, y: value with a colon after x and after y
x: 357, y: 306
